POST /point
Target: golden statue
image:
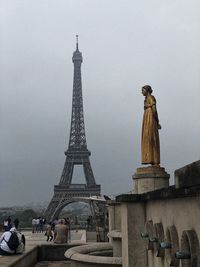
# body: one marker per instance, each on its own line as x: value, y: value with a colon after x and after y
x: 150, y: 127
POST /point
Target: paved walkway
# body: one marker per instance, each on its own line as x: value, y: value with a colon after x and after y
x: 53, y: 264
x: 39, y: 238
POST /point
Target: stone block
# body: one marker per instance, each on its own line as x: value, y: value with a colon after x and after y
x: 149, y: 179
x: 188, y: 175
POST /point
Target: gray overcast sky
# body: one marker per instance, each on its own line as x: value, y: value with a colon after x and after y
x: 125, y: 44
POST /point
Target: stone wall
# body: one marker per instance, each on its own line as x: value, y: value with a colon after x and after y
x: 175, y: 221
x: 175, y: 217
x: 166, y: 217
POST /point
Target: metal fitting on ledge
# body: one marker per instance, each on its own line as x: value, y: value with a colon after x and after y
x: 182, y: 255
x: 165, y: 245
x: 144, y: 235
x: 153, y: 239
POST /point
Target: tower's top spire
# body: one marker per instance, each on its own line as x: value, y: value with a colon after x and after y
x: 77, y: 42
x: 77, y: 56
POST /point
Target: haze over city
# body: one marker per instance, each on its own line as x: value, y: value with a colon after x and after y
x: 125, y: 45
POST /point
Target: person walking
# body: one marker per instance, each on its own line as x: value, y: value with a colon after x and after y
x: 34, y: 225
x: 68, y: 223
x: 49, y: 232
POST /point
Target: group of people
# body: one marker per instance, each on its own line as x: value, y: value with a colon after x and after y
x: 38, y: 225
x: 11, y: 241
x: 58, y: 230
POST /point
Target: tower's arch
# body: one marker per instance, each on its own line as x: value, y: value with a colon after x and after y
x: 68, y: 202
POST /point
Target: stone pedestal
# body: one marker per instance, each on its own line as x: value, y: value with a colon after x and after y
x: 149, y: 179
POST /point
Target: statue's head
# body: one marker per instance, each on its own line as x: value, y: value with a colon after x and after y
x: 146, y: 89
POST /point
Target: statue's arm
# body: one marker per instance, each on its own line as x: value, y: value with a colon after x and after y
x: 154, y: 110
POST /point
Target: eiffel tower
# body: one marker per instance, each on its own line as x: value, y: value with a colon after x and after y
x: 76, y: 154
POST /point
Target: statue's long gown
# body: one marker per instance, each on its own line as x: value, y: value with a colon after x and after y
x: 150, y: 136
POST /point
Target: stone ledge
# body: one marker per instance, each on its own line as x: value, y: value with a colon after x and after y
x: 37, y: 253
x: 26, y: 259
x: 115, y: 234
x: 165, y: 193
x: 150, y: 172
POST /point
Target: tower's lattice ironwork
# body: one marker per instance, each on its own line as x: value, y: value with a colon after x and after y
x: 77, y: 152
